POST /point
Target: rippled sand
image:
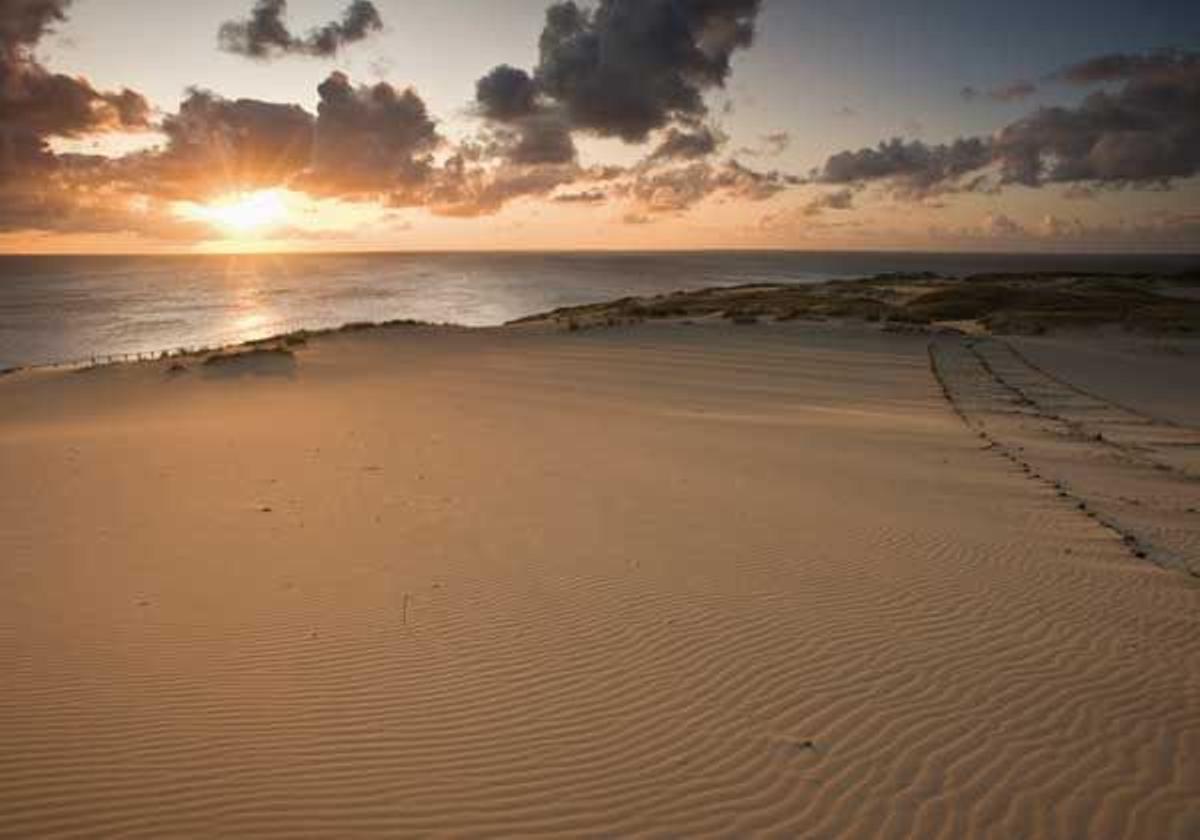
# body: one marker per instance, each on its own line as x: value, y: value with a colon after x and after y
x: 663, y: 580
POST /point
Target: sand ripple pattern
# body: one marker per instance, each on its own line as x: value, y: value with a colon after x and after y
x: 655, y: 582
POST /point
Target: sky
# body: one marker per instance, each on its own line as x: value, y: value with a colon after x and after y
x: 236, y: 125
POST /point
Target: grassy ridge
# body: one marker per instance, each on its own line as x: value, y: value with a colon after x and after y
x: 999, y: 303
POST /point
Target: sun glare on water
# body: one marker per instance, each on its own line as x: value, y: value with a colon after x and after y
x: 245, y: 213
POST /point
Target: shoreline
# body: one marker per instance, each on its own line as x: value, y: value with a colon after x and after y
x: 847, y: 299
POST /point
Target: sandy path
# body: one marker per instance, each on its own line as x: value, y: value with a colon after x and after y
x: 1160, y: 376
x: 664, y: 580
x: 1134, y: 473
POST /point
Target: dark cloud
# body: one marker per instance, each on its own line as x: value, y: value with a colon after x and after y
x: 369, y: 139
x: 365, y: 142
x: 1104, y: 68
x: 620, y: 68
x: 541, y: 138
x: 218, y: 145
x: 530, y: 131
x: 359, y: 20
x: 23, y: 153
x: 69, y: 200
x: 631, y: 66
x: 625, y: 68
x: 506, y: 93
x: 35, y: 102
x: 1122, y: 66
x: 38, y: 188
x: 693, y: 144
x: 1013, y: 92
x: 914, y: 167
x: 24, y: 22
x: 265, y: 35
x: 1146, y: 133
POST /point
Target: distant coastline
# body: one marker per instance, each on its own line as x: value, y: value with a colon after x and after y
x: 57, y: 309
x: 1000, y: 303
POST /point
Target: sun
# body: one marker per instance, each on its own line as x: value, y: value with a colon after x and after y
x: 245, y: 212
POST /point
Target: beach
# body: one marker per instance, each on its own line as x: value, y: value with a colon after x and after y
x: 795, y: 579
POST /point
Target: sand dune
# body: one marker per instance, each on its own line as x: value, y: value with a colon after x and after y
x: 1158, y: 376
x: 660, y: 580
x: 1132, y: 472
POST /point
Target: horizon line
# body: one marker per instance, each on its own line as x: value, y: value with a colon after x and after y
x: 1177, y: 254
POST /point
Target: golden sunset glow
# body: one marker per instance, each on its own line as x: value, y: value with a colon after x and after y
x: 242, y: 214
x: 252, y: 126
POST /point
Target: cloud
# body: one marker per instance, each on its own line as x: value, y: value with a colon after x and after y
x: 625, y: 68
x: 366, y: 143
x: 585, y: 197
x: 915, y: 168
x: 460, y: 189
x: 1146, y: 134
x: 506, y: 93
x: 37, y: 103
x: 69, y: 199
x: 264, y: 34
x: 776, y: 143
x: 771, y: 145
x: 1013, y: 92
x: 678, y: 189
x: 1158, y: 230
x: 39, y: 188
x: 688, y: 145
x: 1002, y: 226
x: 1163, y: 229
x: 529, y: 130
x: 838, y: 200
x: 26, y: 21
x: 369, y: 139
x: 1115, y: 67
x: 541, y: 138
x: 378, y: 142
x: 217, y: 145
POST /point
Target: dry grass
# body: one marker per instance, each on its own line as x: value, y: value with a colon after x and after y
x: 256, y: 353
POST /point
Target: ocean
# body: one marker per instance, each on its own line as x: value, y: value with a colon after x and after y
x: 58, y: 309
